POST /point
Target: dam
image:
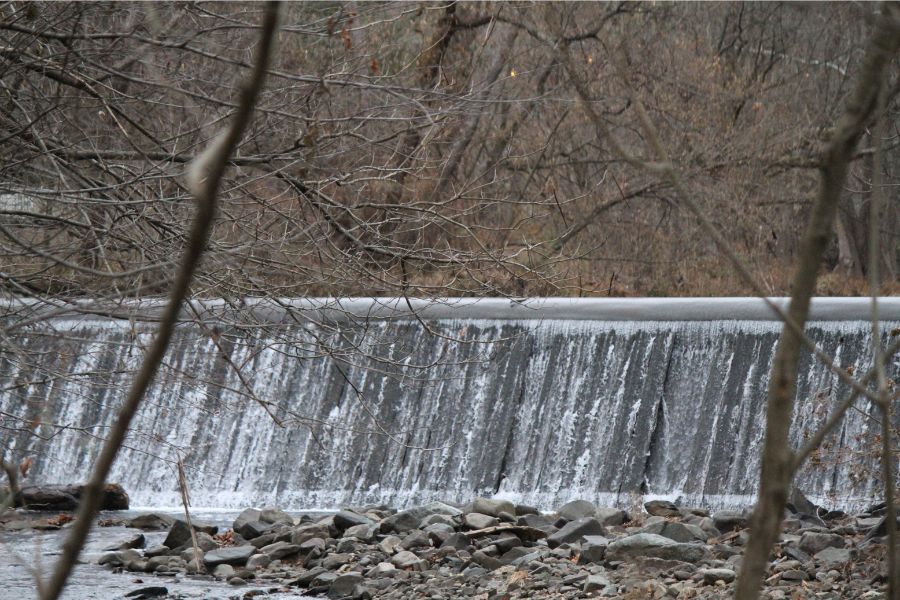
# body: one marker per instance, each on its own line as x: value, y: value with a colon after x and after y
x: 320, y: 403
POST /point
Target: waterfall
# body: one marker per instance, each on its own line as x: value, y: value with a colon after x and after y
x: 571, y: 400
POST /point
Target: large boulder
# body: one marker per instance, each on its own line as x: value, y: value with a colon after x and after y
x: 662, y: 508
x: 574, y: 531
x: 650, y: 545
x: 151, y: 522
x: 680, y: 532
x: 493, y: 507
x: 236, y: 556
x: 577, y: 509
x: 180, y: 533
x: 67, y: 497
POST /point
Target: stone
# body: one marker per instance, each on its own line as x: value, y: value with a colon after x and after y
x: 180, y: 534
x: 119, y: 558
x: 407, y: 560
x: 611, y: 516
x: 248, y: 515
x: 344, y: 585
x: 307, y: 532
x: 364, y: 532
x: 345, y: 519
x: 235, y: 556
x: 577, y: 509
x: 474, y: 520
x: 799, y: 503
x: 711, y: 576
x: 158, y: 550
x: 680, y: 532
x: 652, y: 545
x: 146, y: 593
x: 382, y: 569
x: 280, y: 550
x: 832, y: 556
x: 433, y: 519
x: 438, y: 533
x: 593, y: 549
x: 390, y: 544
x: 336, y: 559
x: 252, y: 529
x: 236, y: 581
x: 729, y: 520
x: 135, y: 541
x: 595, y: 583
x: 50, y: 498
x: 275, y: 516
x: 575, y: 530
x: 151, y: 522
x: 259, y: 561
x: 223, y: 571
x: 813, y: 543
x: 409, y: 519
x: 493, y: 507
x: 416, y: 539
x: 662, y: 508
x: 483, y: 559
x: 538, y: 522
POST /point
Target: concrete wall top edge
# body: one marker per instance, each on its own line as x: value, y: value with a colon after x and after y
x: 287, y: 310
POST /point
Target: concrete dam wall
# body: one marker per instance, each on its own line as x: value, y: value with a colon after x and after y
x: 316, y: 403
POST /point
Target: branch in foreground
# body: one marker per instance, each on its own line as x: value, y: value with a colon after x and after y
x: 212, y: 164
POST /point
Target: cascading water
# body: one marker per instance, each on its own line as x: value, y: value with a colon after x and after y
x: 401, y: 410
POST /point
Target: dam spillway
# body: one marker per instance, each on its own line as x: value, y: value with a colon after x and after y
x: 319, y: 403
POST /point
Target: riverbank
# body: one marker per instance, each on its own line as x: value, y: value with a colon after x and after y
x: 489, y: 549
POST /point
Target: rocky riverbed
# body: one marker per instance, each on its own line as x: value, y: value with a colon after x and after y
x: 493, y: 549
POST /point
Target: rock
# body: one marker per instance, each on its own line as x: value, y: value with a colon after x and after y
x: 307, y: 532
x: 344, y: 585
x: 158, y: 550
x: 575, y: 530
x: 336, y: 560
x: 483, y: 559
x: 416, y: 539
x: 729, y: 520
x: 345, y: 519
x: 390, y: 544
x: 593, y: 549
x: 611, y: 516
x: 247, y: 515
x: 235, y: 556
x: 119, y: 558
x: 258, y: 561
x: 409, y: 519
x: 880, y: 529
x: 236, y: 581
x: 711, y: 576
x: 538, y: 522
x: 153, y: 591
x: 662, y: 508
x: 363, y: 533
x: 135, y: 541
x: 280, y: 550
x: 794, y: 575
x: 275, y: 516
x: 407, y: 560
x: 577, y: 509
x: 680, y: 532
x: 595, y: 583
x: 223, y: 571
x: 252, y: 529
x: 832, y: 556
x: 813, y: 543
x: 493, y: 508
x: 180, y: 534
x: 49, y: 497
x: 382, y: 569
x: 474, y: 520
x: 652, y: 545
x: 438, y: 533
x: 799, y: 503
x: 150, y: 522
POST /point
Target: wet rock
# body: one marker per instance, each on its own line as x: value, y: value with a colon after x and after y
x: 135, y: 541
x: 180, y: 533
x: 662, y: 508
x: 236, y: 581
x: 575, y: 530
x: 230, y: 555
x: 259, y: 561
x: 151, y: 522
x: 223, y: 571
x: 119, y: 558
x: 146, y: 593
x: 652, y: 545
x: 577, y: 509
x: 493, y: 507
